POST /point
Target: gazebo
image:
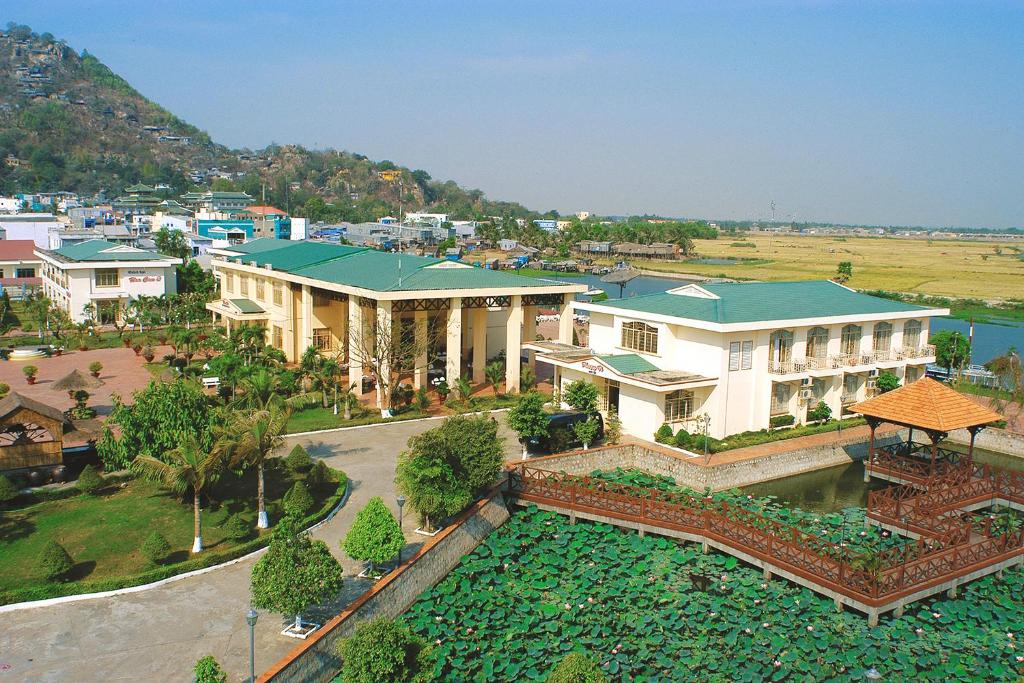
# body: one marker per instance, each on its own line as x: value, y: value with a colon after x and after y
x: 931, y: 407
x: 31, y: 433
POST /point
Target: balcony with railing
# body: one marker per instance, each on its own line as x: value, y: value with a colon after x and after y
x: 923, y: 353
x: 787, y: 367
x: 851, y: 360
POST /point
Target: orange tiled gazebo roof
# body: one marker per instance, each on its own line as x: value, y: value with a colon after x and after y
x: 928, y: 405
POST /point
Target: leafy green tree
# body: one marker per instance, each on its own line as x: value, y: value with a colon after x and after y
x: 54, y: 561
x: 155, y: 422
x: 952, y: 349
x: 495, y: 374
x: 249, y: 439
x: 887, y: 381
x: 188, y: 469
x: 385, y: 650
x: 577, y: 668
x: 297, y: 501
x: 844, y: 272
x: 586, y: 431
x: 528, y: 419
x: 430, y: 483
x: 89, y: 480
x: 820, y: 412
x: 156, y: 548
x: 207, y: 670
x: 613, y: 427
x: 582, y: 396
x: 527, y: 379
x: 192, y: 279
x: 469, y: 445
x: 8, y: 491
x: 172, y: 243
x: 375, y: 536
x: 295, y: 572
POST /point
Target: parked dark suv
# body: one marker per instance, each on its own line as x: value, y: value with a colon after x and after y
x: 560, y: 434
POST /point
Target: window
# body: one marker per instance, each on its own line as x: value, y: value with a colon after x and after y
x: 881, y: 337
x: 22, y: 272
x: 106, y: 277
x: 278, y: 338
x: 640, y: 337
x: 782, y: 346
x: 850, y: 340
x: 278, y: 294
x: 322, y: 339
x: 851, y: 384
x: 243, y: 285
x: 319, y: 300
x: 912, y: 334
x: 780, y: 399
x: 678, y: 406
x: 259, y: 289
x: 817, y: 342
x: 820, y: 388
x: 741, y: 355
x: 229, y: 282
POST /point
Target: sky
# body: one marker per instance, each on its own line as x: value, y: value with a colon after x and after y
x: 885, y: 113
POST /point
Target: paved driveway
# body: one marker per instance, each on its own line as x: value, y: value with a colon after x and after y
x: 158, y: 634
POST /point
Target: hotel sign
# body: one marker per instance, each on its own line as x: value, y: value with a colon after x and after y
x: 592, y: 368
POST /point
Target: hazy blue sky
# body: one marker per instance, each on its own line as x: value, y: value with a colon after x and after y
x: 888, y: 112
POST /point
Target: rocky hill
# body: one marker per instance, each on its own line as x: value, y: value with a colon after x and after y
x: 67, y: 122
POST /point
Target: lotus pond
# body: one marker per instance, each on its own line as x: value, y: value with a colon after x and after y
x: 539, y: 588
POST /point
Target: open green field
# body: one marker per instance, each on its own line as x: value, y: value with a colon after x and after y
x: 970, y: 269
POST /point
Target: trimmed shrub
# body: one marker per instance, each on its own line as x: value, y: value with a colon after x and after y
x: 207, y: 670
x: 89, y: 480
x: 820, y: 412
x: 298, y: 501
x: 8, y: 491
x: 664, y: 434
x: 384, y: 650
x: 4, y: 389
x: 319, y: 474
x: 781, y: 421
x: 54, y: 561
x: 298, y: 460
x: 577, y: 668
x: 156, y: 548
x: 237, y: 529
x: 683, y: 439
x: 375, y: 536
x: 700, y: 443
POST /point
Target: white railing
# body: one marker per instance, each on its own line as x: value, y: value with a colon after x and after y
x: 924, y: 351
x: 851, y: 359
x: 787, y: 367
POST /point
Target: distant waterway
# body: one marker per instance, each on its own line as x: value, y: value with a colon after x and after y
x: 990, y: 340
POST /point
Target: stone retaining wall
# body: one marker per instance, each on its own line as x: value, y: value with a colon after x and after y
x: 992, y: 439
x: 316, y: 659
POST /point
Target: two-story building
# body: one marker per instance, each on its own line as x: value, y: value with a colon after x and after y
x: 741, y: 353
x: 105, y: 274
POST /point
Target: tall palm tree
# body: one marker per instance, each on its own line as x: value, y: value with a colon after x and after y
x: 261, y: 390
x: 248, y: 441
x: 248, y: 341
x: 188, y: 468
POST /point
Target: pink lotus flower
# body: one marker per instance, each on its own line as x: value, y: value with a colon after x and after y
x: 590, y: 600
x: 469, y: 630
x: 437, y: 642
x: 1009, y: 635
x: 765, y: 625
x: 810, y: 628
x: 1020, y: 659
x: 777, y: 663
x: 918, y: 631
x: 747, y: 630
x: 568, y: 606
x: 936, y: 614
x: 757, y: 601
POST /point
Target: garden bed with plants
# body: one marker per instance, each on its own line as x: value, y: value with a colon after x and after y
x: 696, y: 442
x: 107, y: 532
x: 539, y: 588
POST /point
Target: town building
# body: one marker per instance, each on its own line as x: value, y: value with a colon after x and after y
x: 741, y: 353
x: 19, y: 267
x: 139, y: 199
x: 217, y: 202
x: 29, y: 226
x: 328, y: 295
x: 104, y: 274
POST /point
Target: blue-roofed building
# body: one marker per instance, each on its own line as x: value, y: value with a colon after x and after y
x: 742, y: 356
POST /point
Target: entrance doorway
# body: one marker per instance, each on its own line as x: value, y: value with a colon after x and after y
x: 613, y: 395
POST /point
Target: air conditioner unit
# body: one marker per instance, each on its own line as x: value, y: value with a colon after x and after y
x: 873, y: 372
x: 871, y: 384
x: 806, y: 394
x: 806, y: 382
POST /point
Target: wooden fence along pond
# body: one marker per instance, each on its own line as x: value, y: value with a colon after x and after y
x: 949, y: 546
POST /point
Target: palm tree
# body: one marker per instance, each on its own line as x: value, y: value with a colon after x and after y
x: 248, y: 341
x: 261, y: 390
x: 309, y: 363
x: 188, y: 468
x: 249, y: 440
x: 327, y: 376
x: 495, y: 373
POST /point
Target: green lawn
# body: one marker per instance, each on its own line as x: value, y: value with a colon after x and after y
x: 315, y: 419
x: 104, y: 532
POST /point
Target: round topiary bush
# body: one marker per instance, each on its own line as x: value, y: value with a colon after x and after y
x: 384, y: 650
x: 298, y: 501
x: 298, y: 460
x: 54, y: 562
x: 89, y: 480
x: 664, y: 434
x: 577, y: 668
x: 683, y: 439
x: 8, y: 491
x: 156, y: 548
x: 207, y: 670
x: 237, y: 529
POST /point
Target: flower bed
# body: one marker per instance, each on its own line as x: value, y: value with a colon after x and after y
x: 539, y: 588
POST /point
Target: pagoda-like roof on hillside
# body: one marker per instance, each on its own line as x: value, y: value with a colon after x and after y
x: 929, y: 405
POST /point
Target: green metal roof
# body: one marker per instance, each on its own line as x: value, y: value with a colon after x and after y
x: 247, y: 306
x: 628, y: 363
x: 100, y: 250
x: 740, y: 302
x: 258, y: 245
x: 296, y: 255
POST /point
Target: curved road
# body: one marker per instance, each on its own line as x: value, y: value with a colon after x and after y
x: 158, y: 634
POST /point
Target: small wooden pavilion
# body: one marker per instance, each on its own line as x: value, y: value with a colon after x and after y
x: 931, y: 407
x: 31, y: 433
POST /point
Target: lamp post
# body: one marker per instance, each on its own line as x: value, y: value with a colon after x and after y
x: 250, y: 618
x: 401, y: 523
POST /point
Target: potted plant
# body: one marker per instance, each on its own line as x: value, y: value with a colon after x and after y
x: 30, y: 373
x: 147, y: 353
x: 126, y: 341
x: 442, y: 389
x: 95, y: 367
x: 137, y: 348
x: 58, y: 350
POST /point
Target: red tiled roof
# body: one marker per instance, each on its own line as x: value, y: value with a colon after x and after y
x: 265, y: 210
x: 929, y: 405
x: 18, y: 250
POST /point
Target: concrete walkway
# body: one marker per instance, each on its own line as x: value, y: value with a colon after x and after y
x: 158, y: 634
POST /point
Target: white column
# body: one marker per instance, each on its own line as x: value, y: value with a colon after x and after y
x: 385, y: 334
x: 453, y: 338
x: 306, y: 319
x: 513, y: 344
x: 479, y: 322
x: 355, y: 337
x: 419, y: 378
x: 565, y: 320
x: 530, y: 333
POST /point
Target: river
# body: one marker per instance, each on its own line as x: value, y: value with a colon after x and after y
x: 990, y: 340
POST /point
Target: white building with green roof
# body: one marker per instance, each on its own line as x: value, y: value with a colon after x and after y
x: 104, y: 274
x: 741, y: 353
x: 331, y: 296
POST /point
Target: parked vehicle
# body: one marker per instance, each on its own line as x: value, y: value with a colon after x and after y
x: 560, y: 433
